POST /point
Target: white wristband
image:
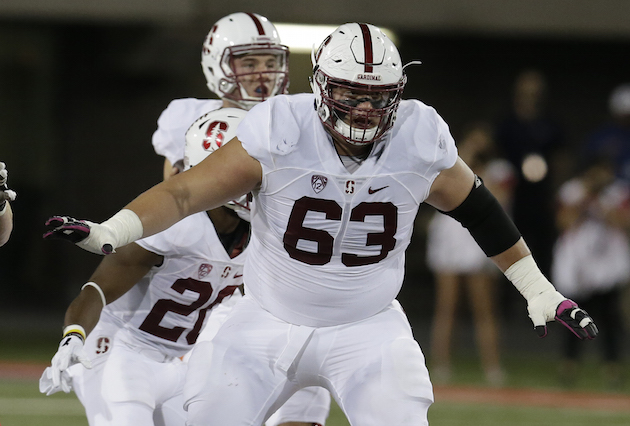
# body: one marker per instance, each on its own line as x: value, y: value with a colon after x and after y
x: 98, y: 288
x: 125, y: 227
x: 527, y: 278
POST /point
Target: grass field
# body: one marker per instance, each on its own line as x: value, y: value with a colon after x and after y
x: 22, y: 405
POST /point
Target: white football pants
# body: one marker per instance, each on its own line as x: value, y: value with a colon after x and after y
x: 374, y: 369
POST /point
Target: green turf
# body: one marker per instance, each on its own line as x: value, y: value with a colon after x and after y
x: 448, y: 414
x: 21, y: 404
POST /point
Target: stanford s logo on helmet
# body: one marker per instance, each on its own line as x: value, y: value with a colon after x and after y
x: 207, y: 134
x: 356, y: 64
x: 237, y: 35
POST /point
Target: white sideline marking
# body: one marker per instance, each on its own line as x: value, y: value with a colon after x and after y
x: 40, y: 406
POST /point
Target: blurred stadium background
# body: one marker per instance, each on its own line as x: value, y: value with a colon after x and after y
x: 82, y: 84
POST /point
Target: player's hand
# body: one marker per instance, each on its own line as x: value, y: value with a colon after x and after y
x: 577, y: 320
x: 70, y: 352
x: 551, y: 305
x: 88, y: 235
x: 5, y: 192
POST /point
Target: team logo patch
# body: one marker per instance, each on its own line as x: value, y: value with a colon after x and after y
x: 204, y: 269
x: 318, y: 182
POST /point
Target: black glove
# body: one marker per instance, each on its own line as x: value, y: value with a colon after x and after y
x: 577, y: 320
x: 90, y: 236
x: 67, y: 228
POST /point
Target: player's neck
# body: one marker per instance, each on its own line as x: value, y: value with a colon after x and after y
x: 224, y: 220
x: 344, y: 148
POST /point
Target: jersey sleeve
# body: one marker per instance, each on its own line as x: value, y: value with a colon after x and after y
x: 175, y: 239
x: 433, y: 140
x: 270, y: 129
x: 169, y: 139
x: 158, y: 243
x: 254, y: 131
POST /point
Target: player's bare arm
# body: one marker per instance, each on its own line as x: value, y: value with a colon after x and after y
x: 6, y: 224
x: 224, y: 175
x: 462, y: 195
x: 115, y: 275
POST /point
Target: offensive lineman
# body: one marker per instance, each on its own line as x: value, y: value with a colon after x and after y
x: 336, y: 190
x: 244, y: 64
x: 153, y: 297
x: 240, y: 80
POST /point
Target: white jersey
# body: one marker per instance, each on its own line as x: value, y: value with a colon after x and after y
x: 167, y: 308
x: 169, y: 139
x: 327, y: 245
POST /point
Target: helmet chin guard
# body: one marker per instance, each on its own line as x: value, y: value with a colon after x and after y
x: 237, y: 35
x: 356, y: 64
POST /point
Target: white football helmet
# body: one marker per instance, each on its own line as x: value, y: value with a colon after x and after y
x: 207, y: 134
x: 361, y: 61
x: 241, y: 34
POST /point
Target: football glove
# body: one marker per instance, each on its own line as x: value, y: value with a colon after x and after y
x: 545, y: 304
x: 88, y: 235
x: 576, y: 320
x: 70, y: 352
x: 551, y: 305
x: 101, y: 238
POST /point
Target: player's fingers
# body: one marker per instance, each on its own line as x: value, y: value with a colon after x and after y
x: 541, y: 330
x: 55, y: 376
x: 83, y: 359
x: 56, y: 221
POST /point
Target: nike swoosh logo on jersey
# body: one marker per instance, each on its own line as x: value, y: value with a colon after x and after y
x: 372, y: 191
x: 238, y: 275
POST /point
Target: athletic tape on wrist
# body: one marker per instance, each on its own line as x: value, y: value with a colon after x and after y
x: 527, y: 278
x: 98, y: 288
x: 74, y: 329
x: 125, y: 226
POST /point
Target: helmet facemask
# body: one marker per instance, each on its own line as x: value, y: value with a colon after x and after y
x: 345, y: 113
x: 274, y: 80
x: 237, y: 36
x: 358, y: 80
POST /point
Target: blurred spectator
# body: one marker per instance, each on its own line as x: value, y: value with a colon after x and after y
x: 613, y: 139
x: 591, y: 262
x: 459, y: 265
x: 533, y: 141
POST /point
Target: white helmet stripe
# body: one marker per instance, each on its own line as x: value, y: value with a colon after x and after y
x: 259, y: 27
x: 367, y: 48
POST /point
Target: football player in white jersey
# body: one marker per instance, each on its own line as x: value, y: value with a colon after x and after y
x: 244, y: 63
x: 336, y: 189
x: 153, y: 298
x: 189, y: 272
